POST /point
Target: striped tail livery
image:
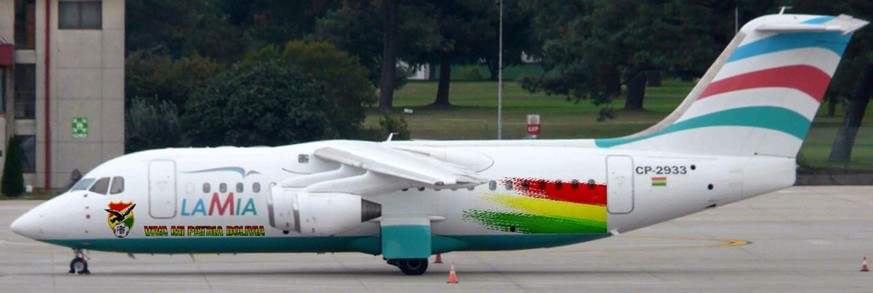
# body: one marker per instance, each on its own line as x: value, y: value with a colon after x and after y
x: 761, y: 94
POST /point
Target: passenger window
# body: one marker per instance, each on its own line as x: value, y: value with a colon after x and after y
x: 508, y: 185
x: 117, y: 185
x: 206, y: 188
x: 492, y: 185
x: 559, y: 184
x: 82, y: 184
x: 101, y: 186
x: 542, y: 184
x: 574, y: 184
x: 256, y: 187
x: 222, y: 187
x: 239, y: 188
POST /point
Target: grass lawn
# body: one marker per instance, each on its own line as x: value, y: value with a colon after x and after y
x: 474, y: 116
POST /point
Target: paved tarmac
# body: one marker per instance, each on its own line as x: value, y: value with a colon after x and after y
x: 802, y: 239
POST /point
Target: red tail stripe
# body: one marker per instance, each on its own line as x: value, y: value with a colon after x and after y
x: 805, y: 78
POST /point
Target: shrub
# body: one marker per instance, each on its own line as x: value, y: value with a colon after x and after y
x: 13, y: 172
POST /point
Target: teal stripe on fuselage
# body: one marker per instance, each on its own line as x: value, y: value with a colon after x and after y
x: 363, y: 244
x: 833, y: 41
x: 773, y: 118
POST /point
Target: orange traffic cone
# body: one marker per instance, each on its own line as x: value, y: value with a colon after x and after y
x: 453, y: 278
x: 439, y: 258
x: 863, y: 266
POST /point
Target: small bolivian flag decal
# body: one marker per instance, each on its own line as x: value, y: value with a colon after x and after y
x: 659, y: 181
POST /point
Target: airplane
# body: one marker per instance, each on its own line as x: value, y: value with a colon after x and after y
x: 735, y: 136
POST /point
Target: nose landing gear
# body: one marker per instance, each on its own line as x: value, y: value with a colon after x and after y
x: 79, y: 264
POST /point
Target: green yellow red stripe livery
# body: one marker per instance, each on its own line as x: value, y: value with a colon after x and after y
x: 546, y: 206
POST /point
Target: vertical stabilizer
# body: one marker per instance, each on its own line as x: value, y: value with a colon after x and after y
x: 761, y: 94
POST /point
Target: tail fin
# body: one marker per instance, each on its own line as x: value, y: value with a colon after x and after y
x: 761, y: 94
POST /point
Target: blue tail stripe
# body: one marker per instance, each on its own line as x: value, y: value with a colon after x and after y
x: 833, y: 41
x: 819, y: 20
x: 767, y: 117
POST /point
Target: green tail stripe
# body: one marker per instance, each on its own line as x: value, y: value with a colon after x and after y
x: 767, y: 117
x: 534, y: 224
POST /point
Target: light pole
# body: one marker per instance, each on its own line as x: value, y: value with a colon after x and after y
x: 500, y: 77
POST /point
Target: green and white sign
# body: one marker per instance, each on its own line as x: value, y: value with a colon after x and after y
x: 80, y: 127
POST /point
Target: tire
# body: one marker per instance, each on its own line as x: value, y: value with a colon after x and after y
x: 79, y: 266
x: 412, y: 266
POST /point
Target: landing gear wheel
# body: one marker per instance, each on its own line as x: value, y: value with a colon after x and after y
x: 79, y: 265
x: 412, y: 266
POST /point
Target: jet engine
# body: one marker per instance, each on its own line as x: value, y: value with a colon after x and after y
x: 319, y: 213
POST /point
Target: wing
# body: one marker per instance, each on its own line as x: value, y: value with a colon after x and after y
x: 369, y: 168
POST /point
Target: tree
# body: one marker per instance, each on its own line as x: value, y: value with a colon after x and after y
x: 369, y: 30
x: 590, y: 48
x: 13, y: 171
x: 448, y: 32
x: 260, y: 101
x: 389, y: 59
x: 220, y: 30
x: 156, y: 78
x: 517, y: 37
x: 349, y: 86
x: 853, y: 80
x: 418, y: 32
x: 160, y: 25
x: 152, y: 125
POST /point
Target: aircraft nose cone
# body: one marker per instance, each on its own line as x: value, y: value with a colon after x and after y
x: 27, y: 225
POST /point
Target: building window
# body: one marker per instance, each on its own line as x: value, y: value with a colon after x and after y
x: 25, y: 91
x: 25, y: 24
x: 80, y: 15
x: 28, y: 148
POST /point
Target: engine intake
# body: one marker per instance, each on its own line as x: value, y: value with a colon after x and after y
x: 319, y: 213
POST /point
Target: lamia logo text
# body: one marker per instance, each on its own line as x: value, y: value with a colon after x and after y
x: 219, y: 206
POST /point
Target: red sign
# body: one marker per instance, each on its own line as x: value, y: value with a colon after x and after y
x: 533, y: 129
x: 533, y: 124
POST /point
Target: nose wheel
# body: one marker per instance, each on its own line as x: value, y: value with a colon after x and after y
x: 79, y: 264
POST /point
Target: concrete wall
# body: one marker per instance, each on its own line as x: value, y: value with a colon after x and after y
x: 86, y: 80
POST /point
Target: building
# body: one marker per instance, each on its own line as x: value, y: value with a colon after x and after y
x: 62, y: 85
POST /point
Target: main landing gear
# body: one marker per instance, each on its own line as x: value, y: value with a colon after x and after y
x: 411, y: 266
x: 79, y: 264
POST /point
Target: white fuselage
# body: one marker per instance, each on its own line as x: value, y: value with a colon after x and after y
x: 217, y: 198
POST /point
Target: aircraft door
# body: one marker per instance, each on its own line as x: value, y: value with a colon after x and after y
x: 162, y: 189
x: 619, y: 184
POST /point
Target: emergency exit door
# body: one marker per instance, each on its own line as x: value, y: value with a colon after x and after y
x: 619, y: 184
x: 162, y: 189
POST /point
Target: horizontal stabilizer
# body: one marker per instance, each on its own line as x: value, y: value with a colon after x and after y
x: 844, y: 24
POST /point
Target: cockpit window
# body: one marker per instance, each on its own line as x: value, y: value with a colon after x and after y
x: 101, y: 186
x: 117, y: 185
x: 82, y: 184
